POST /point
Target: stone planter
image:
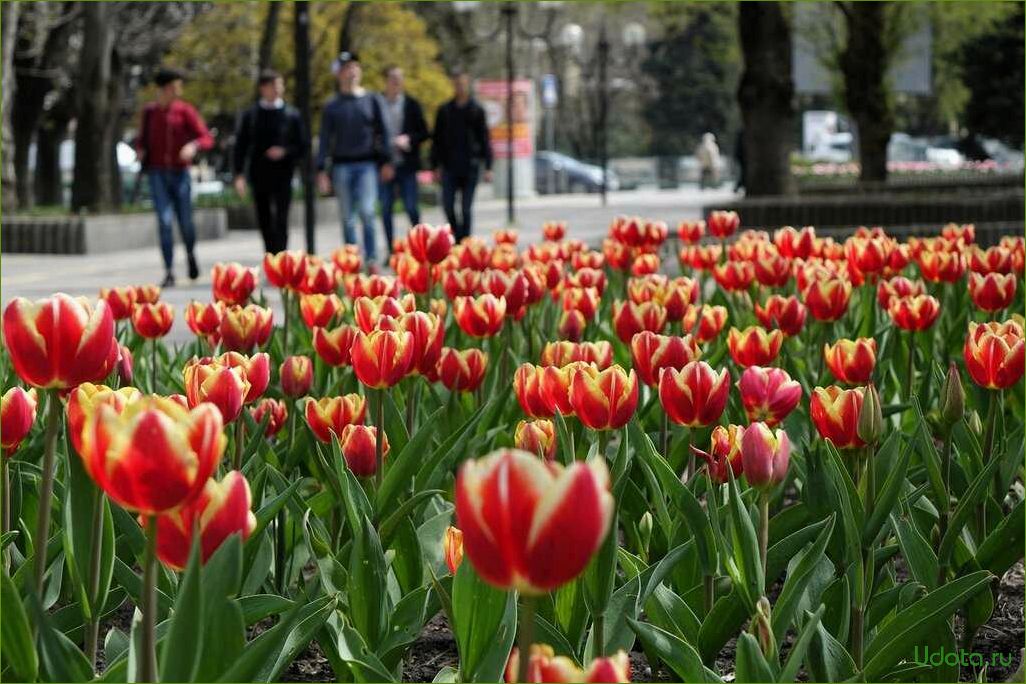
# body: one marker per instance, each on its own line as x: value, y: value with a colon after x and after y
x: 97, y: 234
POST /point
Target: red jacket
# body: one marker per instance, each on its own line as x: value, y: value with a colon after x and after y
x: 164, y: 131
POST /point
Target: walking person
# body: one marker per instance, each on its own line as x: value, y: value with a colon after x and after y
x: 269, y: 141
x: 354, y: 151
x: 407, y: 130
x: 460, y: 147
x: 708, y: 155
x: 171, y: 132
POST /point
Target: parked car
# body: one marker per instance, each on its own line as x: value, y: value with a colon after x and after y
x: 557, y: 173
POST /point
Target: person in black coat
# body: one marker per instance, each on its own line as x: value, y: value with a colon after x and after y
x: 460, y: 148
x: 269, y: 141
x: 404, y: 121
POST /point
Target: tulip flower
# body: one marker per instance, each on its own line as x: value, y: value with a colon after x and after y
x: 147, y: 294
x: 232, y: 283
x: 835, y: 413
x: 296, y: 373
x: 941, y: 266
x: 527, y: 385
x: 221, y: 510
x: 786, y: 314
x: 83, y: 400
x: 555, y: 386
x: 734, y: 276
x: 59, y: 342
x: 764, y: 455
x: 276, y: 409
x: 17, y: 414
x: 245, y: 327
x: 695, y: 395
x: 285, y: 270
x: 795, y: 244
x: 347, y: 259
x: 359, y: 444
x: 320, y: 277
x: 914, y: 313
x: 870, y: 255
x: 429, y: 243
x: 994, y: 354
x: 691, y: 231
x: 428, y: 336
x: 536, y: 437
x: 382, y: 358
x: 121, y: 301
x: 334, y: 347
x: 603, y: 400
x: 587, y: 259
x: 652, y: 353
x: 153, y: 321
x: 256, y: 369
x: 827, y: 300
x: 528, y: 524
x: 319, y: 310
x: 773, y: 270
x: 571, y: 326
x: 543, y: 665
x: 204, y: 320
x: 768, y: 394
x: 993, y: 291
x: 208, y: 380
x: 645, y: 264
x: 452, y: 544
x: 722, y: 224
x: 897, y: 287
x: 369, y: 311
x: 724, y: 451
x: 754, y: 346
x: 554, y: 230
x: 480, y: 316
x: 705, y: 322
x: 461, y: 370
x: 461, y: 283
x: 329, y: 415
x: 851, y: 361
x: 125, y: 365
x: 372, y: 286
x: 561, y: 353
x: 629, y: 318
x: 996, y: 259
x: 615, y: 668
x: 154, y: 455
x: 413, y: 275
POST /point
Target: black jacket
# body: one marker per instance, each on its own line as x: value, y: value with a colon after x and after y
x: 415, y: 127
x: 259, y: 129
x: 353, y: 130
x: 461, y: 138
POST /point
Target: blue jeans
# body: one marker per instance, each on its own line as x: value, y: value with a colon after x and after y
x: 171, y: 190
x: 356, y: 186
x: 405, y: 182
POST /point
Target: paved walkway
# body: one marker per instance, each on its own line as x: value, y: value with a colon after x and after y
x: 37, y: 275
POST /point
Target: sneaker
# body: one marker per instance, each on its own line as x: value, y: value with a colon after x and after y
x: 193, y: 268
x: 169, y: 280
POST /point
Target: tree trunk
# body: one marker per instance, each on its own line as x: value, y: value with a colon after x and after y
x: 348, y: 29
x: 92, y: 184
x: 765, y: 95
x: 864, y: 62
x: 9, y: 19
x: 48, y: 179
x: 267, y: 38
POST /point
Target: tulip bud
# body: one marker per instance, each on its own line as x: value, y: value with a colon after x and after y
x: 296, y: 373
x: 762, y: 628
x: 975, y: 424
x: 16, y: 417
x: 765, y: 454
x: 536, y: 437
x: 645, y: 529
x: 278, y: 414
x: 952, y: 396
x: 452, y: 542
x: 125, y: 365
x: 870, y: 425
x: 359, y: 448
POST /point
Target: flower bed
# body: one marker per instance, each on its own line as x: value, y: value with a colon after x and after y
x: 802, y: 459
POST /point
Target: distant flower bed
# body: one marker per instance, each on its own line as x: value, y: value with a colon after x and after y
x: 851, y: 169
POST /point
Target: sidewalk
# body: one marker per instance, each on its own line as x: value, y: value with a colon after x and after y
x: 38, y: 275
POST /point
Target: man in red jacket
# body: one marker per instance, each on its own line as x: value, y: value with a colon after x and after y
x: 171, y: 132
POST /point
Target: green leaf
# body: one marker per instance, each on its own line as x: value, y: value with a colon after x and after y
x: 388, y: 525
x: 801, y: 645
x: 917, y: 552
x: 563, y: 440
x: 786, y: 607
x: 184, y: 642
x: 81, y: 499
x: 259, y: 606
x: 744, y: 545
x: 16, y: 647
x: 977, y: 493
x: 600, y: 575
x: 367, y: 591
x: 895, y: 640
x: 678, y: 655
x: 828, y: 661
x: 999, y: 551
x: 60, y: 659
x: 363, y: 664
x: 887, y: 497
x: 478, y: 610
x: 402, y: 467
x: 750, y: 662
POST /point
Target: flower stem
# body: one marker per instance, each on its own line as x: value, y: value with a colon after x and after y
x: 93, y: 625
x: 240, y: 437
x: 909, y: 386
x: 709, y: 593
x: 153, y: 366
x: 285, y: 322
x: 763, y: 530
x: 988, y: 448
x: 53, y: 424
x: 599, y: 620
x: 379, y: 423
x: 411, y: 404
x: 603, y: 442
x: 5, y: 516
x: 945, y: 508
x: 664, y: 436
x: 148, y: 657
x: 525, y: 636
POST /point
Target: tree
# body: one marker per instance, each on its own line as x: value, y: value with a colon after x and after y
x: 694, y: 68
x: 9, y: 20
x: 766, y: 95
x: 993, y: 69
